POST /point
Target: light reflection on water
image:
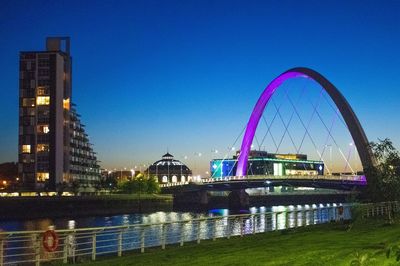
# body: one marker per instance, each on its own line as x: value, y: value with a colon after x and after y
x: 305, y: 215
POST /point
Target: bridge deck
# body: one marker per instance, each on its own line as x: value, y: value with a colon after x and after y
x: 343, y: 182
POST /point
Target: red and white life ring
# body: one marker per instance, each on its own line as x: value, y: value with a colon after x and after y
x: 50, y: 240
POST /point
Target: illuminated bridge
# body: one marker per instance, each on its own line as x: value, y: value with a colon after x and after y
x: 240, y: 175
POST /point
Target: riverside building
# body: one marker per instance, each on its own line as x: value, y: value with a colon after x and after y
x: 53, y: 145
x: 169, y: 171
x: 272, y: 164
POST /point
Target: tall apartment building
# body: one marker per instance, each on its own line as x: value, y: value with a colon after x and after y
x: 53, y: 146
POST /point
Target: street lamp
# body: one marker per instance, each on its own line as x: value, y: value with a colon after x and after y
x: 330, y: 157
x: 132, y: 173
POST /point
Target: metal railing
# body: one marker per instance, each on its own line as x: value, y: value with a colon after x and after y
x: 24, y: 247
x: 360, y: 178
x: 380, y: 209
x: 355, y: 178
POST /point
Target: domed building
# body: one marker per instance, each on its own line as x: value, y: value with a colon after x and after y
x: 168, y: 170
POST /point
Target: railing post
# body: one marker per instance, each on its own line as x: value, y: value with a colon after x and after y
x: 163, y: 236
x: 312, y: 216
x: 94, y: 246
x: 241, y: 226
x: 65, y: 251
x: 198, y: 233
x: 215, y: 229
x: 265, y: 222
x: 254, y: 224
x: 296, y: 218
x: 36, y: 243
x: 228, y: 228
x: 287, y: 225
x: 1, y: 251
x: 142, y: 239
x: 182, y: 234
x: 276, y: 221
x: 120, y: 243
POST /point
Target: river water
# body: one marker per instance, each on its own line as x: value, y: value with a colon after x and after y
x: 156, y: 217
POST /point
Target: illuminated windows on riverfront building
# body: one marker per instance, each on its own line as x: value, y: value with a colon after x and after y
x: 264, y: 163
x: 53, y: 145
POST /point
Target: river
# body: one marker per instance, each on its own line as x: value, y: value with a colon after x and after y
x: 148, y: 218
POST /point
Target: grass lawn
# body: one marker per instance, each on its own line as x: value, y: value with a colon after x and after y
x: 328, y: 244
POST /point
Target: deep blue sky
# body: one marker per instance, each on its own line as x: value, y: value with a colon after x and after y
x: 184, y: 75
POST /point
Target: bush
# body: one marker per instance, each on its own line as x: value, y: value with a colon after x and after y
x: 140, y: 184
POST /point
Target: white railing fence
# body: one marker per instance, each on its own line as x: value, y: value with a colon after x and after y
x: 27, y: 247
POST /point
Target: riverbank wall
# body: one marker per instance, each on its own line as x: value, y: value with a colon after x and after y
x: 43, y: 207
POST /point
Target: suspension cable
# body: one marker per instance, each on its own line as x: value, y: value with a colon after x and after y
x: 334, y: 140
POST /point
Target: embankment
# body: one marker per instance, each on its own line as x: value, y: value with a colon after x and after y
x: 41, y: 207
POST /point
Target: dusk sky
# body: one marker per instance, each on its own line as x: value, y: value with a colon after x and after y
x: 184, y: 75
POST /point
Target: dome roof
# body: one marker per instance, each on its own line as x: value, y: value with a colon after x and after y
x: 168, y: 156
x: 170, y: 165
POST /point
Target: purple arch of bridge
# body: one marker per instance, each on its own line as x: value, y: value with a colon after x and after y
x: 351, y: 120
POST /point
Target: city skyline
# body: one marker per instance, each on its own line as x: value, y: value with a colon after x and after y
x: 187, y: 79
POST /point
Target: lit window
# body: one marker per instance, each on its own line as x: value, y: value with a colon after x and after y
x: 43, y: 100
x: 43, y: 129
x: 42, y: 148
x: 174, y: 179
x: 26, y: 148
x: 28, y: 102
x: 165, y: 179
x: 41, y: 91
x: 42, y: 176
x: 66, y: 104
x: 183, y: 179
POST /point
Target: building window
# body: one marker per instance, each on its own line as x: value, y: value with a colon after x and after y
x: 174, y: 179
x: 44, y: 63
x: 43, y: 72
x: 42, y: 177
x: 42, y: 91
x: 43, y: 129
x: 28, y: 102
x: 66, y: 104
x: 165, y: 179
x: 183, y: 179
x: 43, y: 100
x: 26, y: 148
x: 42, y: 148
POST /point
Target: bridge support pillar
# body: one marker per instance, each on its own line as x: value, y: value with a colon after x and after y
x: 239, y: 199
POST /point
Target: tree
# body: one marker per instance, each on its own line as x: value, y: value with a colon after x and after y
x: 152, y: 185
x: 384, y: 176
x: 140, y: 184
x: 75, y: 186
x: 60, y: 187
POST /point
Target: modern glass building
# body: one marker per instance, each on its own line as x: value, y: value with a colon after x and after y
x: 53, y: 145
x: 264, y: 163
